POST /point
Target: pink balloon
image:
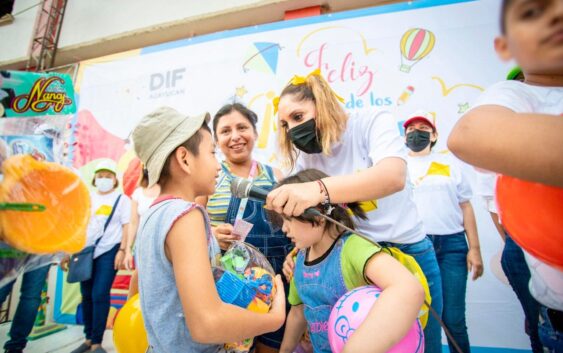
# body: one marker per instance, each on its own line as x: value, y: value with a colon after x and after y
x: 350, y: 311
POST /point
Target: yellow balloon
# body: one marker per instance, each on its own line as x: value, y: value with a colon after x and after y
x: 129, y: 335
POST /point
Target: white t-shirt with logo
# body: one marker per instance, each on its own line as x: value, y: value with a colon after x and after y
x: 546, y: 284
x: 101, y: 209
x: 369, y: 138
x: 439, y: 187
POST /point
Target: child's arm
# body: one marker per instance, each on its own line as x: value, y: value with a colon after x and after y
x: 118, y: 261
x: 395, y: 310
x: 525, y: 146
x: 207, y: 317
x: 294, y: 328
x: 132, y: 234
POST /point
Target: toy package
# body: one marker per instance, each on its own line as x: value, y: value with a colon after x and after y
x: 44, y: 206
x: 246, y: 279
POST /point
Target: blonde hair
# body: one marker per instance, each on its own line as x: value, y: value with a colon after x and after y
x: 331, y: 117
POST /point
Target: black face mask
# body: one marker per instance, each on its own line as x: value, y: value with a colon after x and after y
x: 417, y: 140
x: 304, y: 137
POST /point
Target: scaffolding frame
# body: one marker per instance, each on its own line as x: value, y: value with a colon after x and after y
x: 46, y: 35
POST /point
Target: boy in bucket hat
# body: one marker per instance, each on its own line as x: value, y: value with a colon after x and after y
x: 181, y: 308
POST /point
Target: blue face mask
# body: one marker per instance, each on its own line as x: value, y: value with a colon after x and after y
x: 104, y: 184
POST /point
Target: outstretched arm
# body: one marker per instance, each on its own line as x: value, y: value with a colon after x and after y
x: 383, y: 179
x: 525, y: 146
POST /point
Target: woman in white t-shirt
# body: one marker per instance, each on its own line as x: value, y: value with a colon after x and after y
x: 367, y: 158
x: 142, y: 199
x: 442, y: 193
x: 107, y: 202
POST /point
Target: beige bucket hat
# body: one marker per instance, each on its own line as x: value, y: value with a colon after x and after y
x: 159, y: 133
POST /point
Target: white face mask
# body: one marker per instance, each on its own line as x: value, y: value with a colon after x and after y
x: 104, y: 184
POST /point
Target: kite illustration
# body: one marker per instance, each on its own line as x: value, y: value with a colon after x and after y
x: 263, y: 57
x: 416, y: 44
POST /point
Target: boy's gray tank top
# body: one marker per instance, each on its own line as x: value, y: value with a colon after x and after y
x: 160, y: 303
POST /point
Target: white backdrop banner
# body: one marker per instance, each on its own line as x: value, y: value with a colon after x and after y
x: 435, y: 55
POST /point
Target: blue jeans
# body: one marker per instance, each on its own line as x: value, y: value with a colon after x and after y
x: 96, y: 295
x: 424, y: 254
x: 451, y: 252
x: 551, y: 336
x: 30, y: 299
x: 516, y: 270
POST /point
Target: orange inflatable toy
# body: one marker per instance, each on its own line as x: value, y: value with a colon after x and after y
x: 61, y: 226
x: 532, y: 214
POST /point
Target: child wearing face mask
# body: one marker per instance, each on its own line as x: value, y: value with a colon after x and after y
x: 107, y: 202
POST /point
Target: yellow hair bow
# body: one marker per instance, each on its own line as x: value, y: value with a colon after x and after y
x: 299, y: 80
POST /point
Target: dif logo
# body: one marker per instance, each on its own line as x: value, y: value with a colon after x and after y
x: 167, y: 83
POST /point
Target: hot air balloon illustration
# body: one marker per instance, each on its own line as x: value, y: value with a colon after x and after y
x: 262, y: 56
x: 416, y: 44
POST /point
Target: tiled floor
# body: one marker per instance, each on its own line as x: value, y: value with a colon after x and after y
x: 61, y: 342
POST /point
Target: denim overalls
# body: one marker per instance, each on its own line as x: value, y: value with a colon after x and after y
x: 319, y: 287
x: 270, y: 240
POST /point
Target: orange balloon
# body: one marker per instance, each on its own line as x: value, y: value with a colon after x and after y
x: 532, y: 213
x: 62, y: 226
x: 129, y: 335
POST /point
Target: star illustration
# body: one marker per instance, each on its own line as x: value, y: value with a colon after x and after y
x: 463, y: 107
x: 240, y: 91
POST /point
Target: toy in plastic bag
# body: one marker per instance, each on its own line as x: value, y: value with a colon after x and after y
x: 245, y: 279
x: 42, y: 205
x: 41, y: 137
